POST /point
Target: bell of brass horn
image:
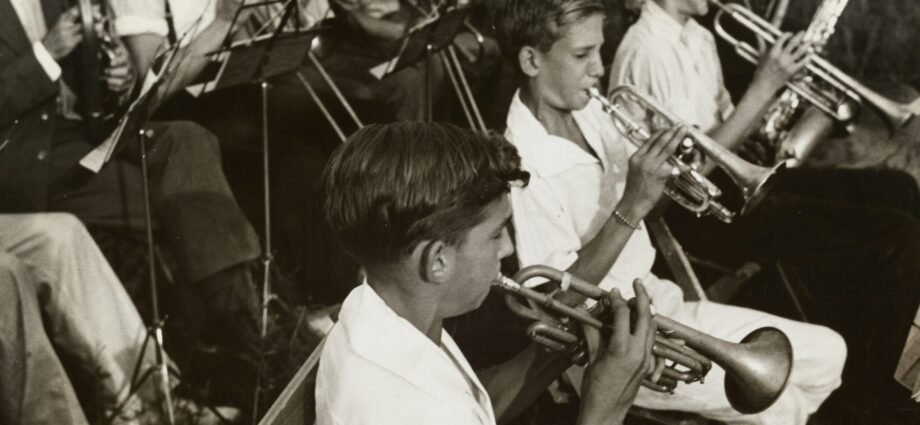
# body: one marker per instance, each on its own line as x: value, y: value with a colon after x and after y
x: 757, y: 369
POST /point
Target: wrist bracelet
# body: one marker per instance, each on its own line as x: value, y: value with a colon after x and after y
x: 622, y: 219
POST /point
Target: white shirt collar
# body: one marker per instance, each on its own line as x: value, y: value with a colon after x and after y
x: 376, y: 333
x: 545, y: 154
x: 666, y: 25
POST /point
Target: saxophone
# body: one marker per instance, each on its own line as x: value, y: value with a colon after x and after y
x: 790, y: 128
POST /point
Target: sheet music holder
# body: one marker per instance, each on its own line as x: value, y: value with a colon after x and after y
x: 258, y: 60
x: 135, y: 116
x: 428, y: 37
x: 261, y: 57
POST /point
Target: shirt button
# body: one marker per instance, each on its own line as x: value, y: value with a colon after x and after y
x: 44, y: 117
x: 42, y: 154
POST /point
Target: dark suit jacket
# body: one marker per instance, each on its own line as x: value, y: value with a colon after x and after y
x: 27, y: 114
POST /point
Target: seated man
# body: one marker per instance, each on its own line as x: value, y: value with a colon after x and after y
x: 35, y: 388
x: 60, y: 298
x: 424, y: 208
x: 45, y: 136
x: 590, y: 190
x: 852, y: 235
x: 54, y: 279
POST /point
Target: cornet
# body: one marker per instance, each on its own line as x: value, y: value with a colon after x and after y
x: 757, y: 369
x: 842, y: 96
x: 691, y: 189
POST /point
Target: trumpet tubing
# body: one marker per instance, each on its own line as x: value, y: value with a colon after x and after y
x: 691, y: 189
x: 757, y: 369
x: 100, y: 42
x: 845, y: 95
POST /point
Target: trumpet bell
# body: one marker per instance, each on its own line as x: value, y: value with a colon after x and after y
x: 760, y: 370
x: 757, y: 369
x: 691, y: 189
x: 756, y: 183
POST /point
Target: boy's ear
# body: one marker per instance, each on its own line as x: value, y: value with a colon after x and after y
x: 529, y: 60
x: 436, y: 261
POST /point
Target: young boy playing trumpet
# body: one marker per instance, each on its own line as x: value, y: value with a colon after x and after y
x: 424, y: 208
x: 590, y: 189
x: 853, y: 236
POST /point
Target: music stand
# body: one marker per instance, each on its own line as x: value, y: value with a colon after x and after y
x: 255, y: 61
x: 258, y: 60
x: 430, y: 36
x: 132, y: 123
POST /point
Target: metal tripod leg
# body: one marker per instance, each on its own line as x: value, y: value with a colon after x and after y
x: 159, y: 369
x: 155, y: 331
x: 267, y: 257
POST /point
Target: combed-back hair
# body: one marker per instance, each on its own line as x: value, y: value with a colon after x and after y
x: 537, y: 23
x: 392, y: 186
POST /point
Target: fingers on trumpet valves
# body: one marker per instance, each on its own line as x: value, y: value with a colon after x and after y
x: 549, y: 343
x: 664, y: 385
x: 656, y: 368
x: 559, y: 338
x: 664, y: 378
x: 695, y: 364
x: 780, y: 44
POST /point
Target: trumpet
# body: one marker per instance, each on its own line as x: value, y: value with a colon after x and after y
x: 690, y: 188
x: 757, y: 369
x: 828, y: 88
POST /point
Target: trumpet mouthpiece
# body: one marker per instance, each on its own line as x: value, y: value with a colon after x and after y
x: 506, y: 283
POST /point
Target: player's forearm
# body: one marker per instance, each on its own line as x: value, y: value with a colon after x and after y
x: 143, y: 49
x: 192, y: 59
x: 746, y: 116
x: 596, y: 258
x: 593, y: 415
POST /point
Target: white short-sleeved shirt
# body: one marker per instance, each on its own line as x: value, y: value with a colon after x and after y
x: 677, y: 65
x: 193, y: 16
x: 571, y: 194
x: 133, y: 17
x: 376, y: 368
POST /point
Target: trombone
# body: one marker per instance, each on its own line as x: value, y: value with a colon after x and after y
x: 843, y: 96
x: 691, y: 189
x: 757, y: 369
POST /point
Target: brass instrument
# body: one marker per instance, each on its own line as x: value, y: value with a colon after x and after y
x: 831, y: 90
x: 690, y: 188
x: 96, y: 102
x: 757, y: 369
x: 790, y: 130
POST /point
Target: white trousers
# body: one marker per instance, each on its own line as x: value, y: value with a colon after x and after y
x: 819, y: 355
x: 90, y: 316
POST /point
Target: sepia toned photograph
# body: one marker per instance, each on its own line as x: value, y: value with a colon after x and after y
x: 459, y: 212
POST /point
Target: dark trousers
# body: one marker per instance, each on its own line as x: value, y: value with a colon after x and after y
x: 194, y: 210
x: 854, y: 238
